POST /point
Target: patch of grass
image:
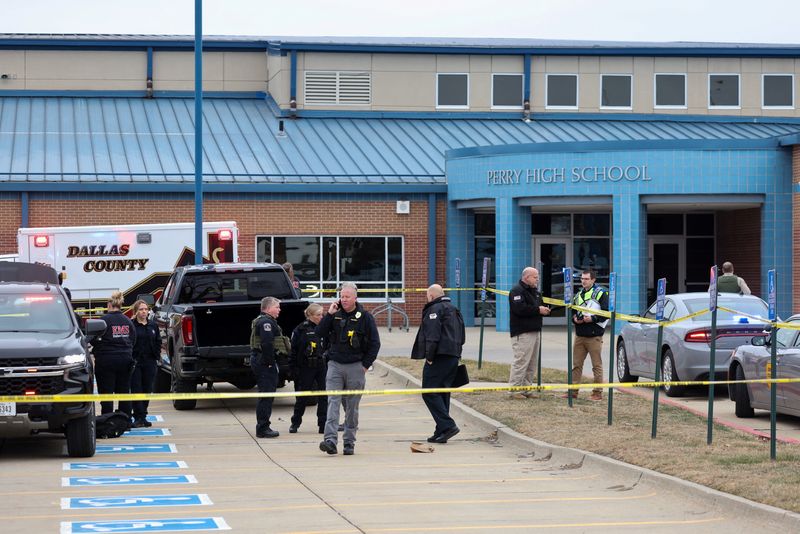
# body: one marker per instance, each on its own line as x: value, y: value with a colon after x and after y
x: 736, y: 462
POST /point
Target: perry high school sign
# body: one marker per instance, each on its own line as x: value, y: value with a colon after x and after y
x: 560, y: 175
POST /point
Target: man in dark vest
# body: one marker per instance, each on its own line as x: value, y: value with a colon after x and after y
x: 438, y: 342
x: 353, y: 343
x: 730, y: 283
x: 264, y: 332
x: 589, y: 330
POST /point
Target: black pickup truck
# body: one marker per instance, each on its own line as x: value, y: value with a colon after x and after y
x: 44, y: 352
x: 204, y: 316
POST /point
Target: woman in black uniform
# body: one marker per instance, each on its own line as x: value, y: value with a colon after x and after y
x: 146, y: 352
x: 308, y: 368
x: 113, y: 355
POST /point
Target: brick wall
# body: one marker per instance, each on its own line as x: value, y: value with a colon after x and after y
x: 10, y: 221
x: 262, y: 217
x: 739, y: 242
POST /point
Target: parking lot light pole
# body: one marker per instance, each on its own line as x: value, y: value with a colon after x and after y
x: 198, y: 132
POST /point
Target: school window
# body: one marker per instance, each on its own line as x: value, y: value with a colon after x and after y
x: 507, y: 91
x: 562, y: 91
x: 321, y: 263
x: 615, y: 91
x: 452, y: 91
x: 670, y: 91
x: 723, y: 90
x: 778, y: 91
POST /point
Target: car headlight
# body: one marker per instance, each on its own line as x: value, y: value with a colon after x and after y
x: 72, y: 359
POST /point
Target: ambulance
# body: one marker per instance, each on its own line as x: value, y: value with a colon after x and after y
x: 95, y: 261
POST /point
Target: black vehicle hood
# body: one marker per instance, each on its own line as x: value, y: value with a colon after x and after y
x: 41, y: 344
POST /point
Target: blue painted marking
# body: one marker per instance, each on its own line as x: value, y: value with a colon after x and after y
x: 138, y: 448
x: 155, y: 418
x: 148, y: 432
x: 661, y: 292
x: 185, y: 524
x: 128, y: 480
x: 134, y: 501
x: 79, y: 466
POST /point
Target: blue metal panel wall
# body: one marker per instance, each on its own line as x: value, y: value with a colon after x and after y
x: 512, y: 250
x: 461, y: 245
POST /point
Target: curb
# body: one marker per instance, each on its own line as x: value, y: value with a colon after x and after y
x: 736, y: 505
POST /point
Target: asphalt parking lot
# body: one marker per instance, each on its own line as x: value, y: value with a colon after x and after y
x: 211, y: 473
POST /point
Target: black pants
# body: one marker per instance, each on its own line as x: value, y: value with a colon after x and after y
x: 439, y: 374
x: 142, y: 381
x: 267, y: 382
x: 113, y: 375
x: 310, y: 379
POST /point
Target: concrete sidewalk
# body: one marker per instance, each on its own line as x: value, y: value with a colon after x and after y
x: 497, y: 348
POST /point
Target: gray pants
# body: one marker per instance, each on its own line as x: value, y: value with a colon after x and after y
x: 526, y: 358
x: 343, y: 376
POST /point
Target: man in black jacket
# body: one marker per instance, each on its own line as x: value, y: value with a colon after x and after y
x: 439, y: 342
x: 353, y: 342
x: 262, y: 361
x: 526, y: 306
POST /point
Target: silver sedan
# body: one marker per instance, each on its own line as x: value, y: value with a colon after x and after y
x: 752, y: 362
x: 685, y: 348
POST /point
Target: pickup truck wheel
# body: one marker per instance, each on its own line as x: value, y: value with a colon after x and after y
x: 182, y: 385
x: 163, y: 381
x: 81, y: 436
x: 741, y: 396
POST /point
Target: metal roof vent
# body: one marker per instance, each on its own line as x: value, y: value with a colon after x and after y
x: 281, y: 131
x: 334, y: 87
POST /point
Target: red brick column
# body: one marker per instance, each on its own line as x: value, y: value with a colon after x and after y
x: 10, y: 221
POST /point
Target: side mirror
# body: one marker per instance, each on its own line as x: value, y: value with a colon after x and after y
x: 759, y: 341
x: 95, y: 327
x: 148, y: 298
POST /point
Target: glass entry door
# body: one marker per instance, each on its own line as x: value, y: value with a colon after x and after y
x: 667, y: 259
x: 550, y: 256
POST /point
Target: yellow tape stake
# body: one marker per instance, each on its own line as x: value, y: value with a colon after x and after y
x: 33, y: 399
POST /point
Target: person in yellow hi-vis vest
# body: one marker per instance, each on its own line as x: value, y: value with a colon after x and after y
x: 589, y: 330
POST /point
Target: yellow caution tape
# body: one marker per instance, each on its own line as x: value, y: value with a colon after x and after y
x: 31, y: 399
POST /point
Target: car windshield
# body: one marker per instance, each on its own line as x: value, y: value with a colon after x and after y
x: 24, y: 312
x: 746, y: 306
x: 234, y: 287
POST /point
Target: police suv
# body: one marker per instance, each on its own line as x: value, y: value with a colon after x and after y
x: 44, y: 352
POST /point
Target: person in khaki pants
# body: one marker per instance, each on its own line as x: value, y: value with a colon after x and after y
x: 589, y: 330
x: 527, y: 309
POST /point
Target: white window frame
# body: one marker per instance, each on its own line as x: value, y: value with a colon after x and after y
x: 739, y: 89
x: 763, y: 76
x: 577, y: 90
x: 623, y: 108
x: 685, y: 90
x: 437, y: 89
x: 329, y: 297
x: 521, y: 86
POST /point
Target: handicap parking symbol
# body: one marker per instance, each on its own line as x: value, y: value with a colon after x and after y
x: 148, y: 432
x: 128, y: 481
x: 87, y: 466
x: 148, y: 448
x: 135, y: 501
x: 145, y: 525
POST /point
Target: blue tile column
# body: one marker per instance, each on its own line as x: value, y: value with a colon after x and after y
x: 630, y: 253
x: 512, y: 250
x: 776, y: 250
x: 461, y: 244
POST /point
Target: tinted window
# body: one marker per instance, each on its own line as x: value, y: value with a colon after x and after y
x: 302, y: 252
x: 700, y: 224
x: 616, y: 91
x: 562, y: 90
x: 785, y: 337
x: 670, y: 90
x: 453, y: 90
x: 507, y: 90
x: 484, y: 224
x: 234, y: 287
x: 753, y: 307
x: 20, y: 312
x: 362, y: 258
x: 778, y: 90
x: 592, y: 224
x: 669, y: 310
x: 664, y: 224
x: 723, y: 90
x: 547, y: 224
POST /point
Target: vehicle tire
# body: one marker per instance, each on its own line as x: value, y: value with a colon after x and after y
x: 741, y: 396
x: 163, y: 381
x: 81, y: 436
x: 668, y: 374
x: 623, y: 371
x: 183, y: 385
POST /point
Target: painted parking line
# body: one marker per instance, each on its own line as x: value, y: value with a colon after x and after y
x: 134, y: 501
x: 148, y: 432
x: 155, y: 418
x: 145, y: 525
x: 128, y: 481
x: 141, y: 448
x: 81, y: 466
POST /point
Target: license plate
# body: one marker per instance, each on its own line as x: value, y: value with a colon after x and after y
x: 8, y: 408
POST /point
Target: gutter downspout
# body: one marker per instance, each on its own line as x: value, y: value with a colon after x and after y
x: 149, y: 89
x: 526, y: 88
x: 24, y: 209
x: 431, y: 238
x: 293, y: 85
